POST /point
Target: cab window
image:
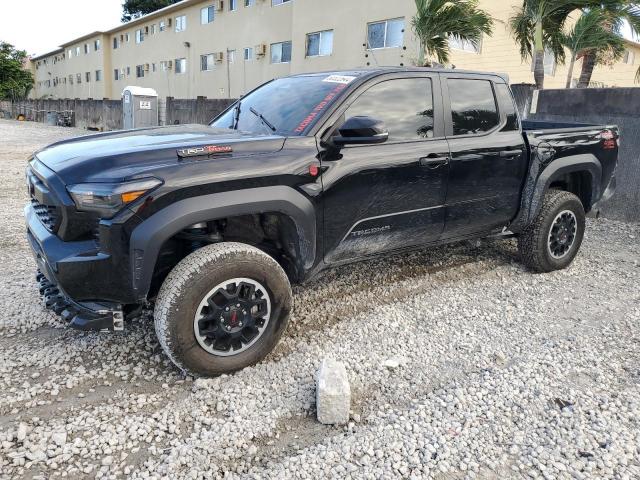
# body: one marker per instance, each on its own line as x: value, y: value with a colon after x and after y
x: 473, y: 106
x: 404, y: 105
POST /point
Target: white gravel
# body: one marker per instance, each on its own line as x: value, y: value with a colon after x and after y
x: 462, y: 365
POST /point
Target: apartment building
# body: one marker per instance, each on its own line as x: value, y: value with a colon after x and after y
x: 224, y: 48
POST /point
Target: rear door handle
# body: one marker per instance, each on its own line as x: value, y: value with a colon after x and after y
x: 434, y: 162
x: 510, y: 153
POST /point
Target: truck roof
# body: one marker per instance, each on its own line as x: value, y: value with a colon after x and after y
x: 374, y: 71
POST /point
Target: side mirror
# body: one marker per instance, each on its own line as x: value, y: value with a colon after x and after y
x: 361, y: 131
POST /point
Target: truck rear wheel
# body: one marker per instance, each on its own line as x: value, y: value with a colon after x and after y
x: 222, y: 308
x: 554, y: 238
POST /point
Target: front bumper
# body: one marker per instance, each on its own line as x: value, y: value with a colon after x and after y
x: 71, y: 278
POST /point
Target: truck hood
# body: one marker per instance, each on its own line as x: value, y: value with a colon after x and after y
x: 121, y: 155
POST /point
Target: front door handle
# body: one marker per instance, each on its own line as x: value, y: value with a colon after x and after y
x: 510, y: 153
x: 434, y: 162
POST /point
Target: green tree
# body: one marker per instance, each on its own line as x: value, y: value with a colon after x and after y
x: 136, y: 8
x: 439, y: 20
x: 539, y: 25
x: 15, y: 81
x: 613, y: 13
x: 590, y: 34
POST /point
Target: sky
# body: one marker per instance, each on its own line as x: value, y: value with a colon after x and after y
x: 39, y: 26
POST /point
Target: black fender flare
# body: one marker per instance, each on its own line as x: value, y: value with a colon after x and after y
x: 540, y: 178
x: 149, y: 236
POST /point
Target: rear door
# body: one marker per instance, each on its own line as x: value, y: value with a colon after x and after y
x: 488, y: 154
x: 387, y: 196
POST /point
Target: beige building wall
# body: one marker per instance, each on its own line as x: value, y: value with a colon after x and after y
x: 262, y: 23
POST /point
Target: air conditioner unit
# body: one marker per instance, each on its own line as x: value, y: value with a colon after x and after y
x: 219, y: 56
x: 260, y: 50
x: 219, y: 5
x: 146, y: 67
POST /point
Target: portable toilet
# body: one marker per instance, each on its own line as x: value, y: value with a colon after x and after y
x: 139, y: 107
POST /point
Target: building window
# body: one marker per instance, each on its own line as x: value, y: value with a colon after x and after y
x: 279, y: 2
x: 162, y: 26
x: 233, y: 5
x: 87, y: 77
x: 248, y: 54
x: 320, y: 44
x: 629, y: 57
x: 386, y: 34
x: 139, y: 36
x: 78, y: 78
x: 77, y: 51
x: 249, y: 3
x: 96, y: 45
x: 181, y: 65
x: 464, y: 45
x: 163, y: 66
x: 86, y: 48
x: 281, y: 52
x: 126, y: 37
x: 207, y: 62
x: 139, y: 71
x: 70, y: 79
x: 116, y: 74
x: 153, y: 29
x: 98, y: 75
x: 70, y: 53
x: 207, y: 15
x: 115, y: 43
x: 231, y: 56
x: 181, y: 23
x: 128, y: 71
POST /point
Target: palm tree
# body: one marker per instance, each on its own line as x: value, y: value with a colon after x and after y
x: 615, y: 13
x: 439, y: 20
x: 590, y: 34
x: 538, y: 25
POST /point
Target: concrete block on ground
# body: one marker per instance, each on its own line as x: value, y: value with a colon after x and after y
x: 333, y: 393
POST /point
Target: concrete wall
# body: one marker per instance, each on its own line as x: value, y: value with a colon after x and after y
x: 107, y: 114
x: 606, y: 106
x: 200, y: 110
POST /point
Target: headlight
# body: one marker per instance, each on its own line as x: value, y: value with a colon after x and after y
x: 107, y: 198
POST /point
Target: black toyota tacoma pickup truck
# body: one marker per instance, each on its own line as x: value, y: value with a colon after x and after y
x: 210, y: 224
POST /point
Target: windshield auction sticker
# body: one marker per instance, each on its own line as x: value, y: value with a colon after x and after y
x: 345, y: 80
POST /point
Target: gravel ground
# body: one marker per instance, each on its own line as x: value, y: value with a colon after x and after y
x: 495, y: 372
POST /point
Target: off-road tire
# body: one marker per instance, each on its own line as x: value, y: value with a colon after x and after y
x: 533, y: 242
x: 190, y: 281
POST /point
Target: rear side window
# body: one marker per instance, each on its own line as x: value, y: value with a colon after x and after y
x: 404, y: 105
x: 507, y: 107
x: 473, y: 106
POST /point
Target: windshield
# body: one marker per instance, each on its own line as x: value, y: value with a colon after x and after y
x: 286, y: 106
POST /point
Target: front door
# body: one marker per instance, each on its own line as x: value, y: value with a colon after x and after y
x: 388, y: 196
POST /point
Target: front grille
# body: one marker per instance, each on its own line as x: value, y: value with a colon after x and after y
x: 47, y: 214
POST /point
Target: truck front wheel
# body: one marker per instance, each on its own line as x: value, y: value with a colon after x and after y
x: 552, y: 241
x: 222, y: 308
